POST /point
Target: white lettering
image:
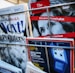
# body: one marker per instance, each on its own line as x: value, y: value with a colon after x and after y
x: 39, y: 5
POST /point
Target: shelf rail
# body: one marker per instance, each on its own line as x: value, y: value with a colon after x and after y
x: 29, y: 45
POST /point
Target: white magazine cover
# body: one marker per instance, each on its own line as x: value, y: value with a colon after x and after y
x: 14, y: 19
x: 13, y: 51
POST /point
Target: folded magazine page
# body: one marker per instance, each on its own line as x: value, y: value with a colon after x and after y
x: 14, y: 20
x: 13, y: 51
x: 52, y: 55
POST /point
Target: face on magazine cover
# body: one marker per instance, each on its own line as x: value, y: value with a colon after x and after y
x: 43, y: 26
x: 14, y: 56
x: 55, y: 27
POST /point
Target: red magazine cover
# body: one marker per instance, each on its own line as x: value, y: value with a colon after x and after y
x: 38, y: 4
x: 58, y: 22
x: 53, y: 54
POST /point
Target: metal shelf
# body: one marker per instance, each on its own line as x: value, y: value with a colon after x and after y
x: 47, y: 46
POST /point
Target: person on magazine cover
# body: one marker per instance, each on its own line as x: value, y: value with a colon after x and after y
x: 46, y: 27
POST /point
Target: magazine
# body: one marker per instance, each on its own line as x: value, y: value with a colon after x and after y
x: 58, y: 22
x: 14, y: 20
x: 55, y: 19
x: 13, y: 51
x: 56, y: 55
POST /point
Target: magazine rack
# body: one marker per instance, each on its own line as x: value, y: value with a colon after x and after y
x: 31, y: 33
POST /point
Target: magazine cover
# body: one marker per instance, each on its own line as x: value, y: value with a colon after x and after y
x: 58, y: 22
x: 13, y: 51
x: 14, y: 20
x: 59, y: 54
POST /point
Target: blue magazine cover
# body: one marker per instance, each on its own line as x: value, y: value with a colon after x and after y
x: 56, y: 52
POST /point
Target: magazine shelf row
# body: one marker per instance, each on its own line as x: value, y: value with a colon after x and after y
x: 15, y: 51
